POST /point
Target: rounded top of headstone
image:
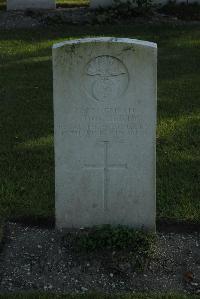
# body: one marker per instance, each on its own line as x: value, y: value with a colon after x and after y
x: 106, y: 40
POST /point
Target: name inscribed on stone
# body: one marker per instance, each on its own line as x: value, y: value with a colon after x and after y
x: 105, y: 122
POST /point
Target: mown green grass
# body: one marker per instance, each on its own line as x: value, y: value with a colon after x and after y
x: 99, y: 296
x: 72, y: 3
x: 26, y: 117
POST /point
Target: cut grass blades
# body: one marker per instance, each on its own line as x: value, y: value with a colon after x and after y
x: 72, y: 3
x: 114, y: 238
x: 117, y: 243
x: 26, y: 117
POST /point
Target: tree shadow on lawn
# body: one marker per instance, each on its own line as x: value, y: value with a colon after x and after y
x: 178, y: 98
x: 27, y: 158
x: 178, y: 166
x: 28, y: 175
x: 27, y: 184
x: 26, y: 152
x: 178, y: 77
x: 160, y: 33
x: 178, y: 88
x: 26, y: 102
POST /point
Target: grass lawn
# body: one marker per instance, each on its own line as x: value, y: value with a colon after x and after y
x: 71, y: 3
x: 26, y: 117
x: 99, y: 296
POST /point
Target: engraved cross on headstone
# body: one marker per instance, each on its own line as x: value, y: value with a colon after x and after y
x: 105, y: 167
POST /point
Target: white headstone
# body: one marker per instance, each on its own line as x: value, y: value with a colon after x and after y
x: 30, y: 4
x: 105, y: 132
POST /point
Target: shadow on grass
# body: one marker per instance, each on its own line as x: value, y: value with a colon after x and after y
x: 178, y: 83
x: 26, y: 110
x: 26, y: 158
x: 27, y: 184
x: 151, y: 32
x: 28, y: 176
x: 178, y: 164
x: 26, y: 103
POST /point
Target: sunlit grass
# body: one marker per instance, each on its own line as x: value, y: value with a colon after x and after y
x: 72, y: 3
x: 36, y: 143
x: 26, y: 117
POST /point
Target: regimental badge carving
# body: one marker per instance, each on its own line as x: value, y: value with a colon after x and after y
x: 105, y: 78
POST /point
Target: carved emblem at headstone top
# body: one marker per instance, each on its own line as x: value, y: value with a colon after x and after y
x: 106, y: 78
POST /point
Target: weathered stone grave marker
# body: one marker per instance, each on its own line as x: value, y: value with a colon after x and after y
x: 105, y: 128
